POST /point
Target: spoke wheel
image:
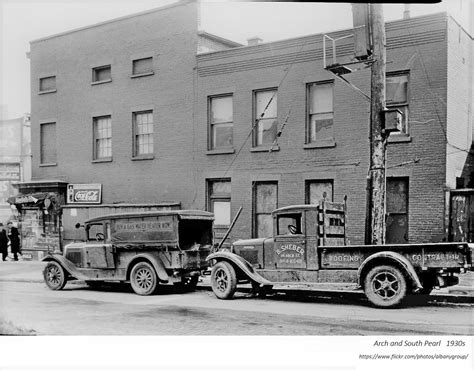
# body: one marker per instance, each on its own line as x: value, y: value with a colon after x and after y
x: 385, y: 286
x: 54, y: 276
x: 143, y: 279
x: 224, y: 280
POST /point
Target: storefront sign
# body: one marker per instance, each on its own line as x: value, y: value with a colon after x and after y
x: 84, y: 193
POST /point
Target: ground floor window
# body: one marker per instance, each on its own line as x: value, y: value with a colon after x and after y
x: 397, y: 210
x: 316, y: 189
x: 265, y: 200
x: 219, y: 192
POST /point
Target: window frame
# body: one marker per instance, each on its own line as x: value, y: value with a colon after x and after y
x: 403, y: 107
x: 317, y: 181
x: 318, y: 143
x: 48, y: 91
x: 135, y: 154
x: 406, y: 180
x: 95, y: 157
x: 211, y: 146
x: 95, y: 71
x: 255, y: 125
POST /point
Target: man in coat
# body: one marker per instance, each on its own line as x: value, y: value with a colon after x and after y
x: 3, y: 242
x: 14, y: 240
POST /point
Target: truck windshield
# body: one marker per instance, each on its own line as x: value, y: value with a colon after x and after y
x: 95, y: 232
x: 194, y: 233
x: 289, y: 224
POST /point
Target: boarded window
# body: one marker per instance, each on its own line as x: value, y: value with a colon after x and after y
x: 397, y: 96
x: 219, y: 196
x: 48, y: 143
x: 265, y: 201
x: 102, y: 137
x: 320, y: 112
x: 48, y: 84
x: 315, y: 190
x: 143, y: 133
x: 103, y: 73
x: 265, y: 114
x: 141, y: 66
x: 221, y: 122
x: 397, y: 210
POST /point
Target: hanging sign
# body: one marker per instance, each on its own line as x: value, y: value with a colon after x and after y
x: 84, y: 193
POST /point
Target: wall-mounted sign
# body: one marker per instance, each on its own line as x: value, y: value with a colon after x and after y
x: 84, y: 193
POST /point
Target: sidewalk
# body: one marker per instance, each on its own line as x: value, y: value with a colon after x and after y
x: 32, y: 271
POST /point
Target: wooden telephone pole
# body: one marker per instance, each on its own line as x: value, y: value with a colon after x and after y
x: 378, y: 139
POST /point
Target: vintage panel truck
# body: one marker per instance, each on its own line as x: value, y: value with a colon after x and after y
x: 308, y: 248
x: 145, y: 248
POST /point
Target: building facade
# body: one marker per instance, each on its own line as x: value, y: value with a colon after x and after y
x: 157, y: 113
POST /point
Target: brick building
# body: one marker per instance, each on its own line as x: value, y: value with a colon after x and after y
x: 160, y: 115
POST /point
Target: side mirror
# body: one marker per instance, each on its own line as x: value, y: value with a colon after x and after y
x: 78, y: 225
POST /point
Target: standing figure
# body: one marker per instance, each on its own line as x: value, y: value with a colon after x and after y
x: 3, y: 242
x: 14, y: 240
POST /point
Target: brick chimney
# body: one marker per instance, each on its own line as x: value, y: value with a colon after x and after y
x: 254, y: 41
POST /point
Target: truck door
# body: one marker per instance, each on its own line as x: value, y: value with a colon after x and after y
x: 290, y: 242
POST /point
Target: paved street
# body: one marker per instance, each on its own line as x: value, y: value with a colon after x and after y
x: 80, y: 310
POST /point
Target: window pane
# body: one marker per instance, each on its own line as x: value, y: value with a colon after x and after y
x: 317, y: 189
x: 48, y: 143
x: 266, y: 199
x: 222, y: 109
x: 143, y: 128
x: 396, y: 89
x: 267, y: 130
x: 221, y: 211
x: 48, y: 83
x: 144, y: 65
x: 321, y: 98
x: 262, y: 98
x: 222, y: 135
x: 102, y: 73
x: 321, y: 127
x: 103, y: 137
x: 264, y: 226
x: 221, y: 187
x: 397, y: 195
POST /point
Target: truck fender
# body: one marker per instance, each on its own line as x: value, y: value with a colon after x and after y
x: 240, y: 263
x: 401, y: 261
x: 155, y: 262
x: 67, y: 265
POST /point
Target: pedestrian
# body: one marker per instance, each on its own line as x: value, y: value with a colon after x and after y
x: 3, y: 242
x: 14, y: 240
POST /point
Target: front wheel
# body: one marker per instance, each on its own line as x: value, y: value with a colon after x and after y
x: 223, y: 280
x: 385, y: 286
x: 143, y: 279
x: 54, y: 276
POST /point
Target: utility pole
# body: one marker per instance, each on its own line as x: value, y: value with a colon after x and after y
x: 376, y: 179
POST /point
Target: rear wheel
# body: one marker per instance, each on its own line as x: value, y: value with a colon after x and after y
x: 224, y: 280
x: 385, y: 286
x: 143, y: 279
x: 54, y: 276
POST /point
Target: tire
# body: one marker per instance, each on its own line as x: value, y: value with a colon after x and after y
x: 143, y: 279
x: 385, y: 286
x: 55, y: 276
x: 223, y: 280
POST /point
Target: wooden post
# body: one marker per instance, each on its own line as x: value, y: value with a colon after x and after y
x: 377, y: 136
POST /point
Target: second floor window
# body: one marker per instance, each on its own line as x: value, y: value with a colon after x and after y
x: 102, y: 74
x: 265, y: 114
x: 221, y: 122
x: 102, y: 137
x: 320, y: 119
x: 142, y: 66
x: 397, y: 96
x: 143, y: 133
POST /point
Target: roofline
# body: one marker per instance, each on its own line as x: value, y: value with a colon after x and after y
x: 145, y: 12
x: 219, y: 39
x: 446, y: 14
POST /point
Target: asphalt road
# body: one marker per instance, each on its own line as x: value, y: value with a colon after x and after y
x: 114, y: 310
